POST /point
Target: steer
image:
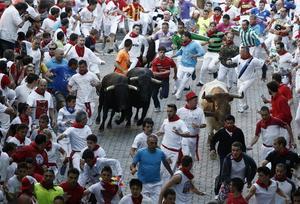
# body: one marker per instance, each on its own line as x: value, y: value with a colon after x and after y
x: 114, y: 95
x: 143, y: 79
x: 215, y: 102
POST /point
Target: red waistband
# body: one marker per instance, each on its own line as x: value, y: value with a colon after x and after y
x: 52, y: 164
x: 171, y: 149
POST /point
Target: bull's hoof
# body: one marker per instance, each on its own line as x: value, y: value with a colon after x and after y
x: 109, y: 126
x: 135, y: 119
x: 118, y: 122
x: 139, y: 122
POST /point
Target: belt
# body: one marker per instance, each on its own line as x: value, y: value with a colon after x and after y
x: 52, y: 164
x: 171, y: 149
x: 267, y: 145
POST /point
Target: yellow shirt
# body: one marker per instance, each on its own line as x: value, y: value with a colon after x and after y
x: 45, y: 196
x: 203, y: 25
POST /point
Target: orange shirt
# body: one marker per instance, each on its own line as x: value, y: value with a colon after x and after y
x: 134, y: 10
x: 123, y: 60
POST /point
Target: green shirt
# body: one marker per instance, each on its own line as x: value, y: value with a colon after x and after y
x: 45, y: 196
x: 177, y: 39
x: 217, y: 42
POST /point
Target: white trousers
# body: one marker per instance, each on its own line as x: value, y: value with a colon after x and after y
x: 152, y: 190
x: 65, y: 143
x: 183, y: 75
x: 80, y: 106
x: 134, y: 62
x: 76, y: 160
x: 297, y: 119
x: 173, y: 156
x: 264, y: 152
x: 242, y: 88
x: 210, y: 64
x: 226, y: 75
x: 189, y: 147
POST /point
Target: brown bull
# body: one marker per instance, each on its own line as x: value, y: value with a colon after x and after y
x: 215, y: 102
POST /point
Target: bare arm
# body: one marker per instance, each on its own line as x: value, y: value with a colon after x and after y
x: 132, y: 152
x: 264, y: 162
x: 253, y: 142
x: 176, y: 179
x: 167, y: 166
x: 252, y: 191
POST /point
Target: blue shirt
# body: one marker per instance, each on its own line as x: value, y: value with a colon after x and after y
x: 261, y: 17
x: 187, y: 52
x: 185, y: 8
x: 149, y: 164
x: 62, y: 75
x: 52, y: 63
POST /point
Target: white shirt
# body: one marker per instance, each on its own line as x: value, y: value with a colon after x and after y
x: 64, y: 116
x: 127, y: 200
x: 183, y: 189
x: 14, y: 185
x: 140, y: 141
x: 285, y: 61
x: 40, y: 104
x: 86, y: 15
x: 111, y: 14
x: 287, y: 188
x: 4, y: 161
x: 10, y: 20
x: 78, y: 137
x: 22, y: 93
x: 171, y: 139
x: 98, y: 153
x: 17, y: 142
x: 172, y: 25
x: 48, y: 25
x: 54, y: 154
x: 91, y: 175
x: 266, y: 196
x: 82, y: 84
x: 33, y: 14
x: 250, y: 72
x: 96, y: 190
x: 137, y: 44
x: 238, y: 169
x: 233, y: 12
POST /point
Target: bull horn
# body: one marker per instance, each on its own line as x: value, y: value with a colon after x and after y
x: 209, y: 114
x: 155, y: 81
x: 207, y: 97
x: 109, y: 88
x: 132, y: 87
x: 237, y: 96
x: 133, y: 78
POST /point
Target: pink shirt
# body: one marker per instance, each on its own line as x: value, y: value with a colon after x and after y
x: 224, y: 28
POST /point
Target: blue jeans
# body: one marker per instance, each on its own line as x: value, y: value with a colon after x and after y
x: 164, y: 93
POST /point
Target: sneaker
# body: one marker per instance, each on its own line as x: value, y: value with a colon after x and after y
x: 194, y: 75
x: 174, y: 92
x: 245, y: 107
x: 215, y: 75
x: 241, y: 110
x: 199, y: 84
x: 177, y: 97
x: 187, y: 89
x: 157, y: 109
x: 110, y: 51
x: 217, y: 197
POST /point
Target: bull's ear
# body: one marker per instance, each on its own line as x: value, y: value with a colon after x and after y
x: 230, y: 98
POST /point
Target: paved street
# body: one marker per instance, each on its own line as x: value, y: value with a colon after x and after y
x: 117, y: 141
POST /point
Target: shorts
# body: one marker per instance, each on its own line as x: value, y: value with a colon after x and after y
x: 111, y: 26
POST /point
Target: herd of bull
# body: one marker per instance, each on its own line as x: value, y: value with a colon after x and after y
x: 120, y: 93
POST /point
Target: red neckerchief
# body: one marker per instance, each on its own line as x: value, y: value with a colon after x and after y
x: 79, y: 50
x: 77, y: 125
x: 217, y: 18
x: 110, y: 190
x: 174, y: 118
x: 231, y: 129
x: 210, y: 33
x: 137, y: 200
x: 187, y: 173
x: 20, y: 138
x: 261, y: 184
x: 64, y: 29
x: 38, y: 91
x: 186, y: 43
x: 72, y: 42
x: 89, y: 8
x: 48, y: 146
x: 24, y: 118
x: 284, y: 152
x: 188, y: 107
x: 96, y: 147
x: 281, y: 179
x: 93, y: 40
x: 52, y: 17
x: 47, y: 185
x: 228, y: 42
x: 133, y: 35
x: 283, y: 52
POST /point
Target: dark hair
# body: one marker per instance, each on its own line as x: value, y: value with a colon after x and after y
x: 173, y: 106
x: 64, y: 22
x: 148, y: 121
x: 22, y: 127
x: 27, y: 60
x: 128, y: 43
x: 247, y: 49
x: 135, y: 182
x: 238, y: 145
x: 181, y: 23
x: 22, y: 165
x: 9, y: 146
x: 70, y: 98
x: 238, y: 184
x: 246, y: 21
x: 60, y: 35
x: 88, y: 154
x: 169, y: 191
x: 22, y: 6
x: 74, y: 171
x: 44, y: 117
x: 165, y: 23
x: 92, y: 2
x: 68, y: 9
x: 46, y: 35
x: 31, y: 78
x: 29, y: 33
x: 21, y: 36
x: 187, y: 34
x: 281, y: 44
x: 73, y: 36
x: 265, y: 108
x: 72, y: 62
x: 230, y: 117
x: 226, y: 16
x: 273, y: 86
x: 82, y: 62
x: 281, y: 165
x: 162, y: 48
x: 136, y: 25
x: 40, y: 139
x: 276, y: 77
x: 265, y: 170
x: 63, y: 15
x: 186, y: 161
x: 54, y: 11
x: 280, y: 141
x: 92, y: 137
x: 107, y: 169
x: 9, y: 54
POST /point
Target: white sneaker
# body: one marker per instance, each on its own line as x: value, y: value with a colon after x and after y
x: 156, y: 110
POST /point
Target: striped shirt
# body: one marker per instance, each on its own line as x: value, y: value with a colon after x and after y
x: 217, y: 43
x: 134, y: 11
x: 249, y: 38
